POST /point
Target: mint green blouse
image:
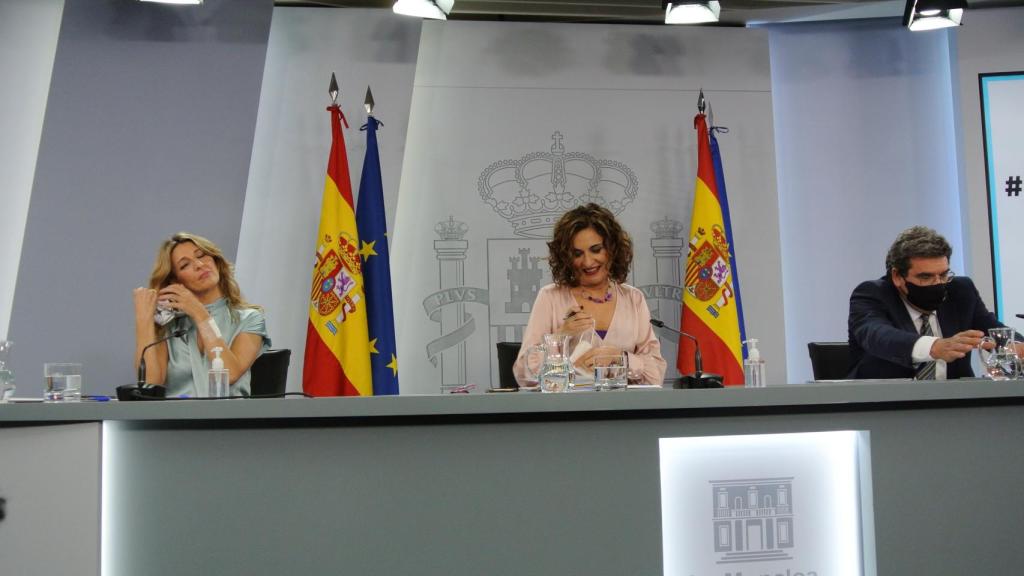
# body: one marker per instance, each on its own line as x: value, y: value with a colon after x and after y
x: 187, y: 368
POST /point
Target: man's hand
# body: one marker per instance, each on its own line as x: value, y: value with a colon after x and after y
x: 957, y: 346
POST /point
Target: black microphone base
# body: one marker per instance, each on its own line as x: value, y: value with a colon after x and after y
x: 691, y: 381
x: 131, y: 392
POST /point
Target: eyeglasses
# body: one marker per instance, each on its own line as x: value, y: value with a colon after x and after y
x: 926, y: 279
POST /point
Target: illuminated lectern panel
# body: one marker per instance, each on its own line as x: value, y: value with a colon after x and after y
x: 791, y: 504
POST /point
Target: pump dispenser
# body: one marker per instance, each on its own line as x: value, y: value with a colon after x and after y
x: 218, y: 383
x: 753, y: 366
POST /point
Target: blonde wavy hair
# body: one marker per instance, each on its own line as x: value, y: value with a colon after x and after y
x: 163, y: 269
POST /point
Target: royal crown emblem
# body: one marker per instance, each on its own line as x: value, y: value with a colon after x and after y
x: 533, y: 191
x: 451, y: 229
x: 666, y: 228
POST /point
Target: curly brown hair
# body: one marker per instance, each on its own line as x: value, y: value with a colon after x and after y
x: 616, y: 241
x: 915, y: 242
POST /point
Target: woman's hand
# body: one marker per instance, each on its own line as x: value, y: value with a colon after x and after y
x: 586, y: 360
x: 576, y: 321
x: 180, y: 298
x: 145, y: 304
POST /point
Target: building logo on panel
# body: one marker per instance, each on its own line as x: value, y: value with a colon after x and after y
x: 752, y: 519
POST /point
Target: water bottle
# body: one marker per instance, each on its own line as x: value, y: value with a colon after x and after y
x: 6, y: 373
x: 218, y: 378
x: 753, y: 366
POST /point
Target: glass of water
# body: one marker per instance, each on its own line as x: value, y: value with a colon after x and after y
x: 63, y: 382
x: 610, y: 372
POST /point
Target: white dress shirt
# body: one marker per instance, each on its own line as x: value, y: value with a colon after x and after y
x: 923, y: 346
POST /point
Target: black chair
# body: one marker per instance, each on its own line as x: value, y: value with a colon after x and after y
x: 829, y: 360
x: 507, y: 354
x: 269, y: 373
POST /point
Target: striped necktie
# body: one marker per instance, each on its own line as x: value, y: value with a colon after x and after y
x: 926, y: 370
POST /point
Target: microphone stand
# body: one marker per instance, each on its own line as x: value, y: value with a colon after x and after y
x: 141, y: 390
x: 698, y: 379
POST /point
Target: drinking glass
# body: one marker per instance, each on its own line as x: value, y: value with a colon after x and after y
x: 63, y: 382
x: 611, y: 371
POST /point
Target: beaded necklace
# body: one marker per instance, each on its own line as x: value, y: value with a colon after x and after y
x: 599, y: 300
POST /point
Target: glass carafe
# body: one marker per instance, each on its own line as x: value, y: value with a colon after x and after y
x: 555, y: 369
x: 1000, y: 358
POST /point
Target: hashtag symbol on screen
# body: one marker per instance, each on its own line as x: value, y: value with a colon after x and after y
x: 1013, y: 186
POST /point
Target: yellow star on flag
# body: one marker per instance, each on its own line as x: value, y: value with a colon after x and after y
x: 373, y: 347
x: 368, y: 250
x: 393, y: 365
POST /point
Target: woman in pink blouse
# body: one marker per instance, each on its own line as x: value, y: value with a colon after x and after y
x: 590, y: 256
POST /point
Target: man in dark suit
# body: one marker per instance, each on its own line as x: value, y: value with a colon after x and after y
x: 917, y: 321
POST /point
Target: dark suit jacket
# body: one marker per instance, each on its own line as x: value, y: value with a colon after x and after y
x: 882, y: 334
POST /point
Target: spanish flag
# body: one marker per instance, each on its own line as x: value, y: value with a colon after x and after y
x: 710, y: 305
x: 337, y: 359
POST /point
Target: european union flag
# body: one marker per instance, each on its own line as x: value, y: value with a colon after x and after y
x: 716, y: 159
x: 372, y: 225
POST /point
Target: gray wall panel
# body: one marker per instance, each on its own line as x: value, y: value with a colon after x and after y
x: 148, y: 131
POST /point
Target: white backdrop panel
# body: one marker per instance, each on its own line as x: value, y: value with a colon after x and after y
x: 1004, y: 148
x: 991, y: 43
x: 494, y: 101
x: 289, y: 159
x: 866, y: 145
x: 28, y: 43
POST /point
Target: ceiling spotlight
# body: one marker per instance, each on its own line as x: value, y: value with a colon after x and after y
x: 432, y: 9
x: 192, y: 2
x: 691, y: 11
x: 933, y: 14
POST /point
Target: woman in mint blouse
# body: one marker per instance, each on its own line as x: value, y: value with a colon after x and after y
x: 192, y: 278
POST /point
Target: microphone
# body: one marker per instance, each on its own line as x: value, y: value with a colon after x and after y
x: 698, y: 379
x: 1020, y: 315
x: 141, y: 390
x: 142, y: 357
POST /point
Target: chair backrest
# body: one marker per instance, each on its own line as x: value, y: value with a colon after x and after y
x: 829, y: 360
x: 507, y: 354
x: 269, y: 373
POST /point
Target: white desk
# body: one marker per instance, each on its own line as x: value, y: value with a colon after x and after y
x: 522, y: 483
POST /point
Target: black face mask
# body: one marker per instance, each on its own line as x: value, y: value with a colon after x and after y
x: 926, y: 297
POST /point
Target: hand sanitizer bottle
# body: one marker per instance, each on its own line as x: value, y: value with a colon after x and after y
x: 753, y: 366
x: 218, y: 384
